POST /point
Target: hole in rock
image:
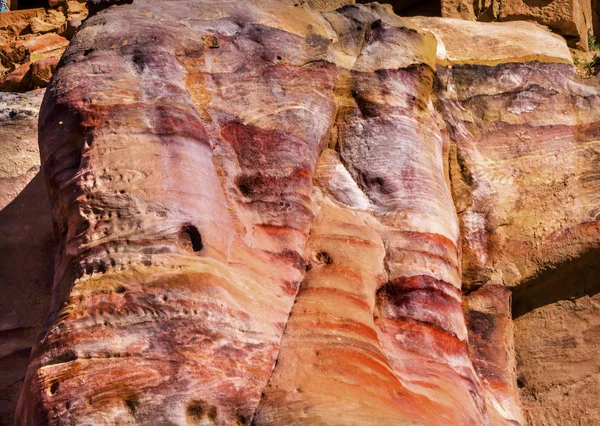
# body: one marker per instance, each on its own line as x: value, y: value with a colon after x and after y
x: 324, y: 257
x: 192, y: 237
x: 413, y: 7
x: 54, y: 388
x: 132, y: 403
x: 197, y: 410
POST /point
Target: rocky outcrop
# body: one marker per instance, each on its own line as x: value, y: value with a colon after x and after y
x: 524, y: 179
x: 255, y: 210
x: 26, y: 245
x: 575, y: 20
x: 32, y: 41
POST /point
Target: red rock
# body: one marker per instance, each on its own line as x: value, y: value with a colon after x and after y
x: 17, y: 81
x: 45, y: 46
x: 254, y: 206
x: 42, y: 70
x: 491, y: 345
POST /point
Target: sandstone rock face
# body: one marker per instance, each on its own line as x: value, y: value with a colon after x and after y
x: 526, y: 149
x: 524, y: 179
x: 254, y: 204
x: 491, y: 345
x: 26, y: 245
x: 572, y: 19
x: 559, y: 369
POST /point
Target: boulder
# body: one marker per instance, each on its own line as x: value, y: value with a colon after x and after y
x: 19, y: 80
x: 76, y: 9
x: 44, y: 46
x: 42, y: 71
x: 570, y: 18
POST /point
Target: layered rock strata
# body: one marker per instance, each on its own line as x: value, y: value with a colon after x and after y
x: 254, y: 206
x: 524, y: 175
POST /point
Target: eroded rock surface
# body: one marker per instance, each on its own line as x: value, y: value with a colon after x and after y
x: 255, y: 210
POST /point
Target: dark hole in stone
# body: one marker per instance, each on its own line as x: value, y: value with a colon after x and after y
x: 87, y: 52
x: 120, y: 289
x: 413, y: 7
x: 213, y: 413
x: 324, y: 257
x: 27, y: 4
x: 195, y: 411
x: 279, y: 58
x: 245, y: 187
x: 54, y: 388
x: 132, y: 404
x: 138, y: 63
x: 192, y: 233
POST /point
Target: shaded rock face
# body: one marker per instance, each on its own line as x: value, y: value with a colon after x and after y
x: 558, y: 364
x: 26, y: 245
x: 254, y: 206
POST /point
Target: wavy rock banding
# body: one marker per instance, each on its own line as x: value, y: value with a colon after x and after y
x: 254, y: 205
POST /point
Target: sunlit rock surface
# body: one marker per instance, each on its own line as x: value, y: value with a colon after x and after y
x: 255, y: 205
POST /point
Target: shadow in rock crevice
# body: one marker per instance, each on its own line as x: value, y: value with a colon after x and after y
x: 572, y: 279
x: 412, y: 7
x: 26, y: 271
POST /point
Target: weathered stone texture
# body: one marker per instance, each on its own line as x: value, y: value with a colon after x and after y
x: 255, y: 207
x: 559, y: 367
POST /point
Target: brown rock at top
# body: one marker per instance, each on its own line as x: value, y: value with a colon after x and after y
x: 569, y: 18
x: 26, y: 245
x: 31, y: 35
x: 572, y: 19
x: 24, y: 24
x: 14, y: 23
x: 256, y: 225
